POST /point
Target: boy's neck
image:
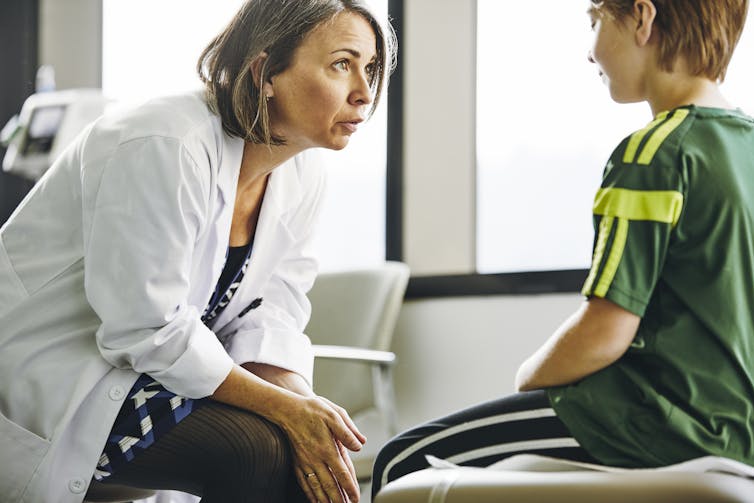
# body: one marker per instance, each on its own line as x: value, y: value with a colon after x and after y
x: 671, y: 90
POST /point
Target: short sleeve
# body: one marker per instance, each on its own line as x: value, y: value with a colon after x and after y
x: 635, y: 212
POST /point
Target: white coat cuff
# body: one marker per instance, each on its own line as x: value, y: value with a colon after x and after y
x: 281, y: 348
x: 200, y: 370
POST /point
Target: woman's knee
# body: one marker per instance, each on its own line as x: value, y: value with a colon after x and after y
x: 268, y: 446
x: 249, y: 445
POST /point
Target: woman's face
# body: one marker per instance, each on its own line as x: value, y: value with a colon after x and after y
x: 320, y: 99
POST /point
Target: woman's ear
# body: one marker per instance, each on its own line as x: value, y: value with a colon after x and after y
x: 256, y: 67
x: 644, y: 16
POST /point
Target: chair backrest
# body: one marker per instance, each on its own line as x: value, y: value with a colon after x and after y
x: 357, y: 308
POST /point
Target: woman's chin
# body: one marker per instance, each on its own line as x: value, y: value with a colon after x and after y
x: 338, y: 143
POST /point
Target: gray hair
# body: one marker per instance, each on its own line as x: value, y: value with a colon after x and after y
x: 276, y: 27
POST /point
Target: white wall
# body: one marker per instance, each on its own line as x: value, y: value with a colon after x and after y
x: 71, y: 40
x: 459, y: 351
x: 439, y: 200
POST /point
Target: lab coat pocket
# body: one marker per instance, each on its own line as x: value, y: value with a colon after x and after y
x: 12, y: 291
x: 21, y: 452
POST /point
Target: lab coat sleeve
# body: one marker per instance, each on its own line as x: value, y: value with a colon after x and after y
x: 149, y: 208
x: 274, y: 332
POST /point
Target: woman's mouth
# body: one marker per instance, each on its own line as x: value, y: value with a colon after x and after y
x: 351, y: 126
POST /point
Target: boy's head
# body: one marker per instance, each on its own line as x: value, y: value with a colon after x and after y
x: 703, y: 33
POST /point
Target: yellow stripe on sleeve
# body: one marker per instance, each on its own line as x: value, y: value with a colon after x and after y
x: 659, y: 136
x: 637, y: 137
x: 654, y: 205
x: 606, y: 225
x: 613, y: 259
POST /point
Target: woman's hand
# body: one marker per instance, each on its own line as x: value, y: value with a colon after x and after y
x: 320, y: 433
x: 294, y: 382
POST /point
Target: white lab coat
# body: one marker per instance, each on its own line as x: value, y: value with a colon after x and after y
x: 105, y: 269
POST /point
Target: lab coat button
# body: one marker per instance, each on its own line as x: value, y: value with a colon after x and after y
x: 77, y: 486
x: 117, y: 393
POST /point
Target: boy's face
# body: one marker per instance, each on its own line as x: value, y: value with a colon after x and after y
x: 620, y: 62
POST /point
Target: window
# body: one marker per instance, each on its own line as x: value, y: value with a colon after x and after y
x: 151, y: 47
x: 545, y: 128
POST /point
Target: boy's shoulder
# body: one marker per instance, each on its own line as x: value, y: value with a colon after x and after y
x: 684, y: 130
x: 676, y: 143
x: 664, y: 134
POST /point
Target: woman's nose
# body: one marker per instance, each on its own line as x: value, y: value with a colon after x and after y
x: 362, y: 92
x: 590, y: 57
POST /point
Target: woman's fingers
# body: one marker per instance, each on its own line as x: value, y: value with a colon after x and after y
x: 347, y: 460
x: 330, y: 485
x: 323, y: 487
x: 303, y: 481
x: 345, y: 434
x: 346, y: 480
x: 319, y: 439
x: 333, y: 477
x: 353, y: 431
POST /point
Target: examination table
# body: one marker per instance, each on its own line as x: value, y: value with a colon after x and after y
x: 537, y: 479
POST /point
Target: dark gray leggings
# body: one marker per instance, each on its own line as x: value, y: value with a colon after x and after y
x: 480, y: 436
x: 221, y: 453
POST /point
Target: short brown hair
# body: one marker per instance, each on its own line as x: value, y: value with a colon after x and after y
x: 702, y: 32
x: 276, y: 27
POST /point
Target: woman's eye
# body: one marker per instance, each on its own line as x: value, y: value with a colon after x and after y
x: 341, y: 65
x: 370, y: 71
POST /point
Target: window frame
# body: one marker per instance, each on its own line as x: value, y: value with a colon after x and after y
x: 450, y: 285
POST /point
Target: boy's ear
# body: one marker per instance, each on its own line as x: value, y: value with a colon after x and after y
x: 256, y: 66
x: 644, y: 16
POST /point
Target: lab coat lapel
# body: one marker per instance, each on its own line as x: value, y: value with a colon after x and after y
x: 227, y: 183
x: 272, y: 239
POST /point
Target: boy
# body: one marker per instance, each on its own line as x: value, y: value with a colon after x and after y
x: 657, y: 366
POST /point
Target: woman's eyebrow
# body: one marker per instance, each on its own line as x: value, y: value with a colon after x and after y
x: 353, y: 52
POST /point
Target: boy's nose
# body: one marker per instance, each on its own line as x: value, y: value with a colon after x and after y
x: 589, y: 57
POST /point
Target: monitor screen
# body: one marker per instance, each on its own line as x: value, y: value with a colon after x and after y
x: 43, y: 126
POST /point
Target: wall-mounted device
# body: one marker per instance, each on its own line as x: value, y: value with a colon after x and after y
x: 48, y: 122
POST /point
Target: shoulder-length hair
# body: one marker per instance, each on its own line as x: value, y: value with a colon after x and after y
x: 276, y: 27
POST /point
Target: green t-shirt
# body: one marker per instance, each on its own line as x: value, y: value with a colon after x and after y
x: 674, y: 225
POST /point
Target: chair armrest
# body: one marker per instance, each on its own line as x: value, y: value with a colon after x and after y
x: 353, y: 354
x: 382, y: 381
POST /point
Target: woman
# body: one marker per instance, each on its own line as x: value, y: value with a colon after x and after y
x: 152, y: 285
